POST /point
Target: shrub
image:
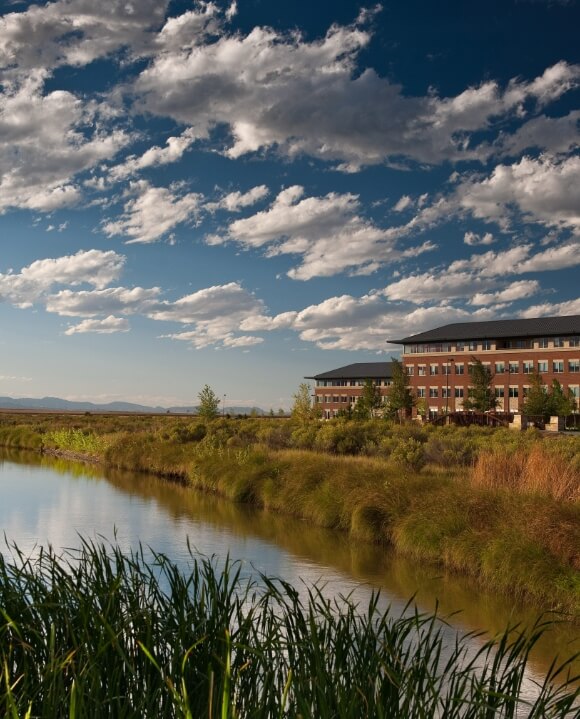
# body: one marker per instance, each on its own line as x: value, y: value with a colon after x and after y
x: 409, y: 455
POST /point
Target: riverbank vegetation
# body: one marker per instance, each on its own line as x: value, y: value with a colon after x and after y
x: 499, y: 505
x: 100, y: 632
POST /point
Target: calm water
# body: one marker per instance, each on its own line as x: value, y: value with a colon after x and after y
x: 50, y: 501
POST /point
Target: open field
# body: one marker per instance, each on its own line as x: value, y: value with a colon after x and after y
x: 501, y: 506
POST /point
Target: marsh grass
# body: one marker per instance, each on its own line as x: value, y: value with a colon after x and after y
x: 100, y: 633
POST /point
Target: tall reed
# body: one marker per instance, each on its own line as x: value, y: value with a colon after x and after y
x: 100, y: 633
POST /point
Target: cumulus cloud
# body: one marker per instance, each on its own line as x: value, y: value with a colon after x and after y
x: 547, y: 309
x: 545, y: 190
x: 44, y: 143
x: 347, y: 322
x: 92, y: 267
x: 152, y: 212
x: 328, y: 233
x: 76, y: 32
x: 515, y: 291
x: 88, y: 303
x: 277, y: 90
x: 472, y: 239
x: 520, y: 259
x: 236, y: 201
x: 108, y: 325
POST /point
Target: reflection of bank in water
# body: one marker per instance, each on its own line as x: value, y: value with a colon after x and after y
x: 57, y: 499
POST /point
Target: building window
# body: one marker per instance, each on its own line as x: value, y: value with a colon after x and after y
x: 459, y: 368
x: 499, y: 392
x: 421, y: 392
x: 543, y: 343
x: 445, y: 392
x: 558, y: 342
x: 514, y: 392
x: 460, y: 347
x: 486, y: 345
x: 421, y: 370
x: 528, y: 367
x: 574, y: 342
x: 459, y: 392
x: 543, y: 366
x: 446, y: 369
x: 574, y: 391
x: 473, y: 346
x: 574, y: 366
x: 514, y: 367
x: 433, y: 392
x: 558, y: 366
x: 410, y: 370
x: 433, y: 369
x: 344, y: 398
x: 499, y: 367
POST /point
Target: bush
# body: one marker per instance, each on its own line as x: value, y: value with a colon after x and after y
x: 409, y: 455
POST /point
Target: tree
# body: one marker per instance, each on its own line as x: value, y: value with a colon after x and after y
x: 208, y: 403
x: 536, y: 403
x: 481, y: 396
x: 369, y: 401
x: 302, y: 408
x: 400, y: 398
x: 422, y: 407
x: 558, y: 403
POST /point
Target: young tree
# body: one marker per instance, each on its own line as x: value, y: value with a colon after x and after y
x: 208, y: 403
x: 302, y: 408
x: 400, y: 397
x: 369, y: 401
x: 536, y: 403
x: 422, y: 406
x: 481, y: 396
x: 559, y: 404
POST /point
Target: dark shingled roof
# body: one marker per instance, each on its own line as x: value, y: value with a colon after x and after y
x: 496, y: 329
x: 358, y: 370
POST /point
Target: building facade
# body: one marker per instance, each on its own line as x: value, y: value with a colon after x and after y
x: 340, y: 388
x: 437, y: 361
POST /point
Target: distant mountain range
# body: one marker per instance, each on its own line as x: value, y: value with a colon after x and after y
x: 56, y: 404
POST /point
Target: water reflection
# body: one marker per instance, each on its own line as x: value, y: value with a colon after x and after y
x: 44, y: 499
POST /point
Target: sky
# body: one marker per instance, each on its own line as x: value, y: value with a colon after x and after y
x: 245, y: 194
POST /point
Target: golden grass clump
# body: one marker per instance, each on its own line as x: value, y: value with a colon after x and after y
x: 537, y: 470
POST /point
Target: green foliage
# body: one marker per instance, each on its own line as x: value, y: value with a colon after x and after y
x: 302, y: 410
x: 558, y: 403
x: 481, y: 396
x: 208, y: 403
x: 105, y: 633
x: 369, y: 401
x: 76, y: 440
x: 409, y: 455
x: 400, y: 397
x: 536, y: 403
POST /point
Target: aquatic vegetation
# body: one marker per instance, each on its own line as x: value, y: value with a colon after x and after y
x: 97, y: 633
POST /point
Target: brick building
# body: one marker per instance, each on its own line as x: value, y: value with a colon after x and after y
x: 437, y: 361
x: 341, y: 388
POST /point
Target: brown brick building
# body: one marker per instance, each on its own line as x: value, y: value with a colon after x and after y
x: 341, y: 388
x: 437, y: 361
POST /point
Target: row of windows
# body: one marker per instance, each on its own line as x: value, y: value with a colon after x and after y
x: 488, y: 345
x: 528, y: 367
x: 459, y: 392
x: 350, y: 382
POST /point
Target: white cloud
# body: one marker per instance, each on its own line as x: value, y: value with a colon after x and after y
x: 552, y: 134
x: 75, y: 32
x: 403, y: 203
x: 327, y: 232
x: 569, y: 307
x: 44, y: 143
x: 152, y: 212
x: 106, y: 326
x: 235, y: 201
x: 276, y: 90
x: 87, y: 303
x: 92, y: 267
x: 516, y: 291
x: 472, y: 239
x: 363, y: 323
x: 519, y: 260
x: 545, y: 190
x: 154, y: 156
x: 440, y: 286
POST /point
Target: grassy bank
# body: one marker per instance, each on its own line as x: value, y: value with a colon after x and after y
x: 500, y: 506
x: 99, y: 633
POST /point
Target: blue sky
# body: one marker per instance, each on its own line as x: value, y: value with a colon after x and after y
x: 241, y: 194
